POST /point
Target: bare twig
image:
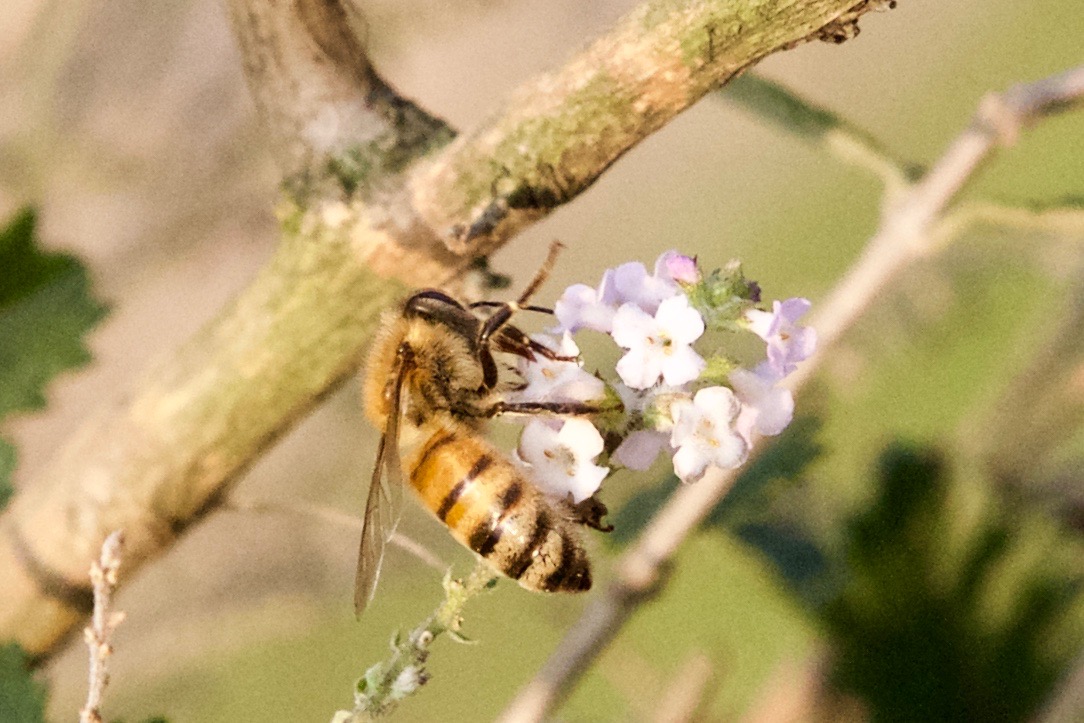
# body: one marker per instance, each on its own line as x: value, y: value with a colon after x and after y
x: 799, y: 691
x: 1059, y: 218
x: 382, y: 213
x: 318, y: 94
x: 103, y: 574
x: 562, y: 130
x: 335, y: 517
x: 808, y: 121
x: 908, y: 225
x: 685, y: 698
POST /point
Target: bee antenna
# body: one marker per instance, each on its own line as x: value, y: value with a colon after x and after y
x: 542, y: 274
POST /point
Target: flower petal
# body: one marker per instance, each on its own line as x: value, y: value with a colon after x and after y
x: 681, y: 366
x: 640, y: 449
x: 689, y: 464
x: 730, y: 451
x: 639, y: 368
x: 680, y: 323
x: 581, y: 437
x: 538, y: 436
x: 719, y: 403
x: 631, y: 326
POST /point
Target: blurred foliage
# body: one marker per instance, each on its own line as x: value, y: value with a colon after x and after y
x: 22, y: 699
x: 910, y: 599
x: 45, y: 308
x: 916, y: 630
x: 802, y: 564
x: 1030, y: 439
x: 793, y: 114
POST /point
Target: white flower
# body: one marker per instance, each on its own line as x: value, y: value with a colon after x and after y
x: 766, y: 408
x: 562, y: 459
x: 659, y: 345
x: 555, y: 380
x: 704, y: 433
x: 788, y: 343
x: 632, y: 285
x: 581, y: 307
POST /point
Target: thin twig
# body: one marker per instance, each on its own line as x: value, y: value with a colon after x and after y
x: 335, y: 517
x: 684, y: 699
x: 907, y: 226
x: 1059, y: 218
x: 796, y: 691
x: 806, y: 120
x: 103, y: 575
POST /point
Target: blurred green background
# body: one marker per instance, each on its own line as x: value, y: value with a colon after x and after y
x: 129, y: 123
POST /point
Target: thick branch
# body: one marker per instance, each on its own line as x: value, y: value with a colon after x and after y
x: 154, y: 463
x: 316, y: 91
x: 907, y: 232
x: 559, y: 132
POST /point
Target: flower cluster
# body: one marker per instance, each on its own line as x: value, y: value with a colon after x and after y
x: 676, y: 388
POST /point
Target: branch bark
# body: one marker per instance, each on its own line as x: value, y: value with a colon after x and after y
x: 374, y: 205
x: 908, y: 232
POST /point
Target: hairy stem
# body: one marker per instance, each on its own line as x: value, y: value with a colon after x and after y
x: 385, y: 684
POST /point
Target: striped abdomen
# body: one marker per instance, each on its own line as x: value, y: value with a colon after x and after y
x: 492, y: 508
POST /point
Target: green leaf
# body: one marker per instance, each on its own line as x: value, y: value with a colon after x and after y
x: 45, y: 309
x: 774, y: 102
x: 804, y: 119
x: 918, y: 630
x: 22, y: 699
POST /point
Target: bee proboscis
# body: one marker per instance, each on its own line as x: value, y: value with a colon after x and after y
x: 430, y: 383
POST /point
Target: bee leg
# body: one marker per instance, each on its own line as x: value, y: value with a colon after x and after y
x: 542, y: 274
x: 500, y: 318
x: 561, y: 409
x: 590, y: 512
x: 504, y: 311
x: 521, y: 307
x: 513, y: 341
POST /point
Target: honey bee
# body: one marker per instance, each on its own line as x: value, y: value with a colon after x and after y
x: 430, y: 383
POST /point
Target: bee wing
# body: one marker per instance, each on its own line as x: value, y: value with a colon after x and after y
x: 384, y: 505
